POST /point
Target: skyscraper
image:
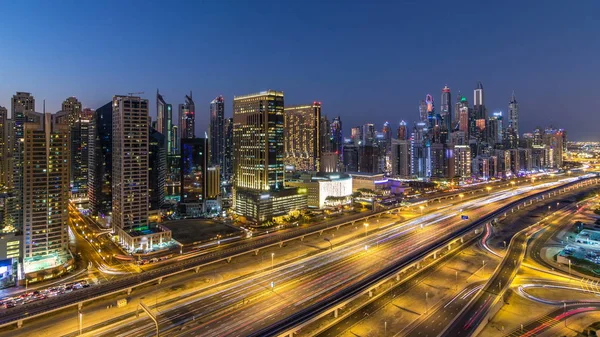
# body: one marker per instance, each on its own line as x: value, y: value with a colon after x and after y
x: 164, y: 121
x: 73, y: 108
x: 194, y: 162
x: 302, y: 143
x: 337, y: 136
x: 494, y: 129
x: 479, y: 102
x: 368, y: 134
x: 402, y: 131
x: 401, y: 158
x: 79, y: 128
x: 45, y: 191
x: 423, y: 111
x: 513, y: 114
x: 4, y: 152
x: 258, y: 143
x: 22, y: 104
x: 157, y: 169
x: 216, y: 136
x: 100, y: 160
x: 187, y: 117
x: 446, y: 108
x: 130, y: 128
x: 227, y: 169
x: 258, y: 136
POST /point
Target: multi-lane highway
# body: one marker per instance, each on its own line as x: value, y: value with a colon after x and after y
x: 471, y: 316
x: 241, y: 308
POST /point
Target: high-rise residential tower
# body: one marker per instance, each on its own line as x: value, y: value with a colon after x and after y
x: 216, y: 136
x: 513, y: 114
x: 187, y: 117
x: 45, y: 190
x: 22, y: 104
x: 130, y: 128
x: 302, y: 141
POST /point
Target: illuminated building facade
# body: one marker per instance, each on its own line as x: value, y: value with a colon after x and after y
x: 446, y: 108
x: 216, y: 132
x: 258, y: 141
x: 157, y: 170
x: 130, y: 131
x: 462, y: 161
x: 325, y: 189
x: 4, y: 151
x: 45, y: 191
x: 187, y: 118
x: 513, y: 114
x: 302, y: 141
x: 194, y: 162
x: 100, y: 161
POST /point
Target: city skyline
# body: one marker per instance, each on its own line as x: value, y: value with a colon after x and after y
x: 511, y: 57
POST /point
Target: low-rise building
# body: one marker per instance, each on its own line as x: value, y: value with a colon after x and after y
x: 325, y: 189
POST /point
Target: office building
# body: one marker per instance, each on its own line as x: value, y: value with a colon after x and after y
x: 258, y: 142
x: 157, y: 170
x: 187, y: 118
x: 325, y: 135
x: 513, y: 114
x: 227, y: 169
x: 216, y: 132
x: 479, y: 102
x: 302, y: 142
x: 400, y: 158
x: 164, y: 122
x: 45, y: 191
x: 494, y: 129
x: 193, y: 166
x: 79, y: 128
x: 4, y: 151
x: 337, y: 136
x: 100, y: 161
x: 446, y: 109
x: 258, y: 137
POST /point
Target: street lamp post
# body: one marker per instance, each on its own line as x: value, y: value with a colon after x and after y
x: 385, y: 328
x: 483, y: 268
x: 488, y: 189
x: 564, y: 312
x: 80, y: 322
x: 426, y: 298
x: 421, y: 207
x: 272, y: 257
x: 366, y: 229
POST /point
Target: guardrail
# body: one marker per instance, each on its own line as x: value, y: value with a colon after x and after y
x: 292, y: 323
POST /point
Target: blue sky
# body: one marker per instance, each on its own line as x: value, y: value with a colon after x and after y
x: 366, y: 61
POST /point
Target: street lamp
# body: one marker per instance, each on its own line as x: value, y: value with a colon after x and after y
x: 426, y: 298
x: 488, y: 189
x: 366, y: 229
x: 461, y: 196
x: 80, y: 322
x: 421, y: 207
x: 272, y: 256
